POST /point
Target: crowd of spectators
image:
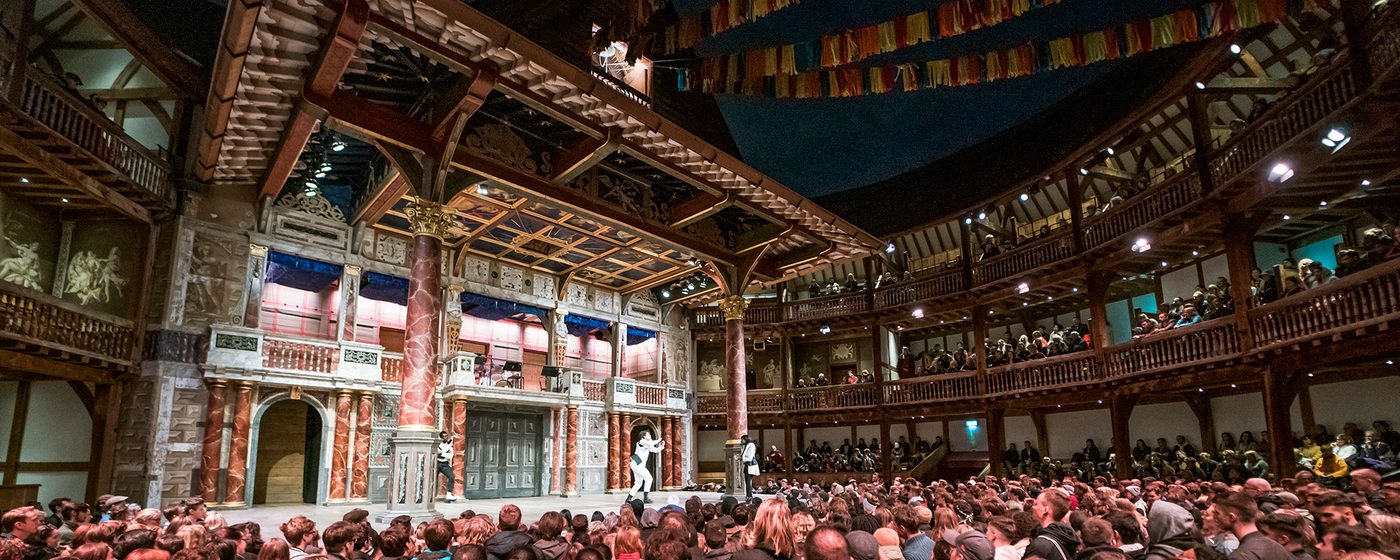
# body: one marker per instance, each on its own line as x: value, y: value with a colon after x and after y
x: 851, y: 378
x: 1042, y: 342
x: 848, y: 457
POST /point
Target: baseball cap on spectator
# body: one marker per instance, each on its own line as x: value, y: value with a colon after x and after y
x: 862, y: 545
x: 972, y: 544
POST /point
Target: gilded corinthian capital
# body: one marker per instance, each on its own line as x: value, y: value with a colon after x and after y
x: 734, y: 308
x: 428, y: 218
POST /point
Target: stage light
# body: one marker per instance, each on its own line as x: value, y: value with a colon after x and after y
x: 1336, y: 139
x: 967, y: 221
x: 1142, y: 245
x: 824, y: 329
x: 65, y: 200
x: 918, y: 313
x: 1164, y: 264
x: 1365, y: 182
x: 482, y: 190
x: 338, y: 146
x: 327, y: 166
x: 1025, y: 197
x: 1286, y: 217
x: 24, y: 180
x: 1200, y: 85
x: 311, y: 185
x: 1075, y: 290
x: 1235, y: 48
x: 1023, y: 288
x: 1110, y: 151
x: 889, y: 247
x: 1195, y: 253
x: 1083, y: 171
x: 971, y: 424
x: 665, y: 293
x: 1280, y: 172
x: 1322, y: 204
x: 690, y: 285
x: 981, y: 215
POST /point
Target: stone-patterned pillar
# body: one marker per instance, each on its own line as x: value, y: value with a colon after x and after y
x: 413, y: 475
x: 663, y: 459
x: 459, y: 443
x: 736, y: 393
x: 359, y: 467
x: 571, y: 451
x: 624, y: 471
x: 682, y: 475
x: 253, y: 285
x: 614, y: 452
x: 349, y: 301
x: 556, y: 486
x: 212, y: 454
x: 673, y: 448
x: 238, y: 446
x: 340, y: 447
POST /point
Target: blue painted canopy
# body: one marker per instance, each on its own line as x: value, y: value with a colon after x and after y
x: 637, y: 336
x: 493, y: 309
x: 383, y: 287
x: 580, y: 325
x: 300, y: 272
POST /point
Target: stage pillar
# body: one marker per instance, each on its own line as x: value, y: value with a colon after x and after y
x: 736, y: 392
x: 212, y: 453
x: 614, y: 452
x: 340, y: 447
x: 571, y: 451
x: 238, y: 446
x: 359, y: 463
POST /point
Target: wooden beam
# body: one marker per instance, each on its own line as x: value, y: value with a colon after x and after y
x: 39, y: 367
x: 699, y: 208
x: 234, y: 40
x: 330, y: 65
x: 17, y: 421
x: 131, y: 94
x: 1250, y: 85
x: 144, y: 44
x: 103, y: 439
x: 86, y: 185
x: 465, y: 98
x: 382, y: 199
x: 586, y: 154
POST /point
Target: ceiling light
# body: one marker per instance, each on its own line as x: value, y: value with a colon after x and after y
x: 981, y: 215
x: 311, y: 185
x: 1390, y: 362
x: 320, y: 175
x: 1049, y: 298
x: 24, y: 180
x: 482, y: 190
x: 1336, y: 139
x: 327, y: 166
x: 967, y: 221
x: 310, y: 194
x: 338, y: 146
x: 1076, y: 290
x: 1232, y: 386
x: 1280, y: 172
x: 1023, y: 288
x: 918, y: 313
x: 1286, y: 217
x: 1024, y: 304
x: 1235, y: 48
x: 889, y: 247
x: 65, y: 200
x: 1025, y: 197
x: 1195, y: 253
x: 1083, y: 171
x: 824, y: 329
x: 1142, y: 245
x: 1365, y: 182
x: 690, y: 285
x: 1200, y: 85
x: 1110, y: 151
x: 665, y: 293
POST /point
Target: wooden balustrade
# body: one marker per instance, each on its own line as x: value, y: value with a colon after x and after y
x: 651, y: 394
x: 766, y: 313
x: 391, y: 367
x: 826, y: 307
x: 716, y: 404
x: 1178, y: 192
x: 1384, y: 47
x: 300, y: 356
x: 73, y: 118
x: 770, y: 400
x: 833, y: 397
x: 1059, y: 371
x: 1288, y: 117
x: 595, y: 390
x: 1196, y: 344
x: 952, y: 386
x: 1025, y: 258
x: 943, y: 283
x: 1364, y: 298
x: 44, y: 320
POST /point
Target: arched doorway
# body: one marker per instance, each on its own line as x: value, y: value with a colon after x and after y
x: 288, y: 454
x: 653, y: 462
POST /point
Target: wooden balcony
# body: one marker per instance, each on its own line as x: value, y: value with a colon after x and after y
x: 41, y: 325
x: 1193, y: 346
x: 933, y: 389
x: 833, y: 397
x: 1364, y: 301
x: 1174, y: 193
x: 828, y: 307
x: 1047, y: 250
x: 941, y: 284
x: 1050, y: 373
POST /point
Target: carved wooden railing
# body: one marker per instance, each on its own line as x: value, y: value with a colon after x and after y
x: 1059, y: 371
x: 1364, y: 298
x: 1178, y: 192
x: 391, y: 367
x: 833, y: 397
x: 300, y: 355
x: 768, y: 400
x: 1384, y: 47
x: 1196, y: 344
x: 651, y: 394
x: 826, y: 307
x: 73, y: 118
x: 1025, y: 258
x: 715, y: 404
x: 1289, y: 116
x: 934, y: 388
x: 943, y: 283
x: 765, y: 313
x: 43, y: 320
x: 595, y: 390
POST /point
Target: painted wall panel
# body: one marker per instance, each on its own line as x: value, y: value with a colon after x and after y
x: 1068, y: 430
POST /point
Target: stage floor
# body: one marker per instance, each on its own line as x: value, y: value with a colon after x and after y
x: 270, y: 517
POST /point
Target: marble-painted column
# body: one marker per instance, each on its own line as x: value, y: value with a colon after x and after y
x: 614, y: 452
x: 673, y: 446
x: 340, y: 448
x: 571, y: 451
x: 682, y: 474
x: 736, y: 393
x: 349, y: 301
x: 253, y: 284
x: 359, y: 467
x: 413, y: 477
x: 624, y: 472
x: 238, y: 445
x: 459, y: 443
x: 556, y: 486
x: 212, y: 454
x: 663, y: 459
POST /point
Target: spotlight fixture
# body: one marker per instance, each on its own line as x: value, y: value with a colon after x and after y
x: 967, y: 221
x: 824, y: 329
x: 1142, y: 245
x: 1336, y: 139
x: 326, y: 166
x: 1164, y: 264
x: 1195, y: 253
x: 24, y: 180
x: 311, y: 185
x: 310, y: 194
x: 1025, y: 197
x: 918, y: 313
x: 319, y: 175
x: 1235, y: 48
x: 65, y: 200
x: 1075, y: 290
x: 481, y: 189
x: 889, y: 248
x: 665, y: 293
x: 690, y: 285
x: 1365, y: 182
x: 1322, y: 204
x: 1390, y: 362
x: 1200, y: 85
x: 1286, y: 217
x: 1280, y: 172
x: 981, y: 215
x: 1023, y: 287
x: 1083, y: 171
x: 338, y: 145
x: 1110, y: 150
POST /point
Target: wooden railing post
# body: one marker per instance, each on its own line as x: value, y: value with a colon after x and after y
x: 1239, y: 258
x: 979, y: 345
x: 1075, y: 199
x: 1098, y: 318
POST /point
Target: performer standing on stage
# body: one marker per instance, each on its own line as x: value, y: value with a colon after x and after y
x: 641, y: 477
x: 444, y: 463
x: 750, y: 460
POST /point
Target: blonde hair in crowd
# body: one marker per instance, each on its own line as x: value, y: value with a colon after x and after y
x: 772, y: 524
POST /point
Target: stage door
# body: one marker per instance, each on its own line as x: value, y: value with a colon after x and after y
x: 503, y: 455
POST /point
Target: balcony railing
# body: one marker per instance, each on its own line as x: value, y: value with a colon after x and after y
x: 833, y: 397
x: 936, y: 388
x: 594, y: 390
x: 758, y: 313
x: 391, y: 367
x: 43, y: 320
x: 1025, y: 258
x: 1178, y: 192
x: 765, y: 401
x: 944, y: 283
x: 1354, y: 302
x: 651, y: 394
x: 76, y: 120
x: 300, y: 355
x: 826, y: 307
x: 1184, y: 346
x: 1059, y: 371
x: 718, y: 404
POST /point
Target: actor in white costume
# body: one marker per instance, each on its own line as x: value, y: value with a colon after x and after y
x: 641, y: 477
x: 444, y: 463
x: 750, y: 459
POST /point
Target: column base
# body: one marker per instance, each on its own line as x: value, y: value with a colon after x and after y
x: 734, y: 470
x: 412, y: 476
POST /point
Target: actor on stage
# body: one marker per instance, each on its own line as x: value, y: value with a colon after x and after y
x: 444, y: 463
x: 641, y: 477
x: 750, y: 459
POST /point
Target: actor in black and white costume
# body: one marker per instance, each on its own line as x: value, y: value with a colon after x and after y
x: 750, y: 460
x: 641, y: 476
x: 444, y: 463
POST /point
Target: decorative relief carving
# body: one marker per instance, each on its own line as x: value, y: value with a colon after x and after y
x: 315, y: 205
x: 366, y: 357
x: 512, y: 278
x: 643, y: 304
x: 843, y: 352
x: 604, y: 301
x: 478, y: 270
x: 497, y: 141
x: 390, y: 249
x: 733, y: 308
x: 236, y: 342
x: 576, y: 294
x: 544, y: 286
x: 428, y: 218
x: 212, y: 283
x: 624, y: 388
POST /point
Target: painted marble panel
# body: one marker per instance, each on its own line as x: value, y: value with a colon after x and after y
x: 214, y: 282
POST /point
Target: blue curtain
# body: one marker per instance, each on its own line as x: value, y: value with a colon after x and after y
x: 637, y: 336
x: 384, y: 287
x: 493, y: 309
x: 300, y: 273
x: 580, y: 325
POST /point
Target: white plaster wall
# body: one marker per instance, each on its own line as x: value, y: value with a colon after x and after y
x: 1166, y: 420
x: 828, y: 434
x: 770, y: 438
x: 1215, y: 267
x: 58, y: 427
x: 1179, y: 283
x: 1068, y: 430
x: 709, y: 445
x: 1239, y: 413
x: 8, y: 390
x: 1362, y: 401
x: 963, y: 438
x: 1019, y: 430
x: 899, y: 429
x: 867, y: 431
x: 929, y: 430
x: 56, y: 484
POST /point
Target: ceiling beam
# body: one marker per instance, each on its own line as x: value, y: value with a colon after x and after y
x: 234, y: 40
x: 19, y: 361
x: 1250, y: 85
x: 48, y: 163
x: 339, y: 49
x: 131, y: 94
x: 182, y: 74
x: 388, y: 193
x: 586, y: 154
x: 699, y: 208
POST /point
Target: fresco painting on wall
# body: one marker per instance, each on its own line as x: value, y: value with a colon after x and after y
x: 93, y: 279
x: 214, y: 281
x: 30, y: 245
x: 99, y: 267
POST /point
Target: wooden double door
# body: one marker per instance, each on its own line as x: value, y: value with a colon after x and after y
x: 503, y: 455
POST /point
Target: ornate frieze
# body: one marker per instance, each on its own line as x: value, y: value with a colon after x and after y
x: 317, y: 206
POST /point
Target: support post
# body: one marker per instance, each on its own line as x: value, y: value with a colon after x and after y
x: 238, y: 446
x: 1205, y: 417
x: 571, y: 451
x: 212, y: 453
x: 1120, y: 410
x: 996, y: 439
x: 340, y: 447
x: 979, y: 345
x: 614, y: 452
x: 736, y: 392
x: 1098, y: 315
x: 1239, y: 259
x: 1280, y: 386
